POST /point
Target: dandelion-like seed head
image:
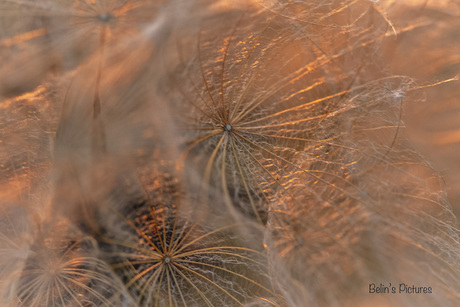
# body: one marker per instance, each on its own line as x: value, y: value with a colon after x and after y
x: 276, y: 114
x: 169, y: 260
x: 64, y: 271
x: 258, y: 98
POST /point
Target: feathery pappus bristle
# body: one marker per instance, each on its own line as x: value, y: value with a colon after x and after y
x: 226, y: 153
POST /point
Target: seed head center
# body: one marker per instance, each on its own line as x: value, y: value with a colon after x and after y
x: 167, y: 260
x: 104, y: 17
x: 228, y: 127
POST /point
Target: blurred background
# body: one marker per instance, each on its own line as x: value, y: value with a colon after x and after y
x: 430, y: 53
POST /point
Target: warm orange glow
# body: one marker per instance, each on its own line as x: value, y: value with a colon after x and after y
x: 20, y: 38
x: 447, y: 138
x: 26, y: 97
